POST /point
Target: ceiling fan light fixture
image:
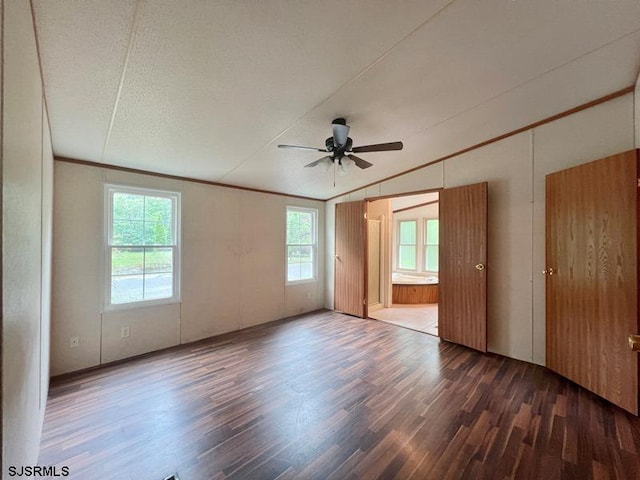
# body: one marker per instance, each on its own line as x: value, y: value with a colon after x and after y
x: 326, y: 164
x: 341, y: 148
x: 347, y: 164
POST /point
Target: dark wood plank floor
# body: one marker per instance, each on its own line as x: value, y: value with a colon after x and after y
x: 329, y: 396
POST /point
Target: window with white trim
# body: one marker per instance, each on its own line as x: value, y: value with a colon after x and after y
x: 407, y: 244
x: 302, y: 244
x: 142, y: 246
x: 431, y: 242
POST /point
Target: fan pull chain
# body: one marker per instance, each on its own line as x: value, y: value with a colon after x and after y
x: 334, y: 174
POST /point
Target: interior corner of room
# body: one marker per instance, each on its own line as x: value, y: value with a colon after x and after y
x: 380, y: 247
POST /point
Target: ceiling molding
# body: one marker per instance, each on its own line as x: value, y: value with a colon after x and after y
x: 566, y: 113
x: 180, y: 178
x: 416, y: 206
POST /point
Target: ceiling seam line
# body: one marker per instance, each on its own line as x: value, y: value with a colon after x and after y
x: 121, y: 83
x: 455, y: 115
x: 347, y: 82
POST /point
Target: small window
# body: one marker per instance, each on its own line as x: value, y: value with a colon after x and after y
x: 407, y: 245
x: 142, y: 246
x: 431, y: 248
x: 302, y: 242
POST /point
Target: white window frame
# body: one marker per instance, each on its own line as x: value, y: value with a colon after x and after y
x: 314, y: 245
x: 176, y: 213
x: 425, y: 244
x: 398, y: 235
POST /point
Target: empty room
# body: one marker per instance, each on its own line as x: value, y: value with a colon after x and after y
x: 320, y: 239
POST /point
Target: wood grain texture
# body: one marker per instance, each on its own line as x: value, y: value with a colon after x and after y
x: 592, y: 297
x: 463, y: 288
x: 350, y: 261
x: 415, y: 294
x: 330, y: 396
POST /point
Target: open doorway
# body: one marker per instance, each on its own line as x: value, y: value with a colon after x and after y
x: 403, y: 261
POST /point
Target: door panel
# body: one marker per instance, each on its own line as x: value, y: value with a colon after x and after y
x: 349, y: 293
x: 463, y: 246
x: 591, y: 245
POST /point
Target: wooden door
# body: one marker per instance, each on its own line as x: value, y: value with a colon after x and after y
x: 462, y: 316
x: 591, y: 276
x: 350, y: 258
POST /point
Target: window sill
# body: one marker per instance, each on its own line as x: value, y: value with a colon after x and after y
x: 300, y: 282
x: 137, y: 305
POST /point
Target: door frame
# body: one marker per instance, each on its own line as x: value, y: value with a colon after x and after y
x: 367, y: 200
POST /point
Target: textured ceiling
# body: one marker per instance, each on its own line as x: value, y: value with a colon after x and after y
x: 398, y: 203
x: 207, y: 89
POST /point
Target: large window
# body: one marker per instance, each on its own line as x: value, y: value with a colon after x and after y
x: 143, y: 251
x: 407, y: 244
x: 431, y: 241
x: 302, y: 238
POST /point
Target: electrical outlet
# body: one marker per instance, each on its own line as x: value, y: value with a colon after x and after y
x: 74, y: 342
x: 124, y: 332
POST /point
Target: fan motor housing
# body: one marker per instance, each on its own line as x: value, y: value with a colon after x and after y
x: 328, y: 143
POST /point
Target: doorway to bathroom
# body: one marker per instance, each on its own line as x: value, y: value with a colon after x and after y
x: 403, y: 261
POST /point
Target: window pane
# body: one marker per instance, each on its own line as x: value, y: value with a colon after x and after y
x: 299, y: 227
x: 139, y: 270
x: 157, y: 209
x: 126, y: 288
x: 431, y: 257
x: 299, y: 263
x: 432, y: 232
x: 128, y: 206
x: 408, y: 232
x: 127, y: 261
x: 127, y: 232
x: 407, y: 257
x: 156, y: 233
x: 158, y: 285
x: 158, y: 260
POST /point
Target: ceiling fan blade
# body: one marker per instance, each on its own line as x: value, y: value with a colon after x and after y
x: 360, y: 162
x: 305, y: 148
x: 317, y: 162
x: 340, y: 134
x: 380, y: 147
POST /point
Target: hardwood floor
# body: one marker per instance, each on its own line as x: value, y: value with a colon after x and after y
x: 329, y: 396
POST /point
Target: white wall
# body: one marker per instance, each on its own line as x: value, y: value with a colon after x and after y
x: 515, y: 169
x: 26, y: 235
x: 233, y: 268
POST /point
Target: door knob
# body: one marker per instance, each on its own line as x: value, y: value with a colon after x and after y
x: 549, y: 271
x: 480, y: 266
x: 634, y: 343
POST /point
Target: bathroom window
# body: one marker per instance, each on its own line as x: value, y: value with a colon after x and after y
x: 431, y: 241
x: 302, y: 244
x: 407, y: 244
x: 142, y: 246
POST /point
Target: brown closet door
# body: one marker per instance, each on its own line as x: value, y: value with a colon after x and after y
x: 349, y: 293
x: 463, y: 257
x: 591, y: 276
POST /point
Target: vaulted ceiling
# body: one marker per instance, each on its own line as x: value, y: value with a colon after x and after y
x: 207, y: 89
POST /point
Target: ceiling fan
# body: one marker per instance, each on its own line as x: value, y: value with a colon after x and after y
x: 340, y: 146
